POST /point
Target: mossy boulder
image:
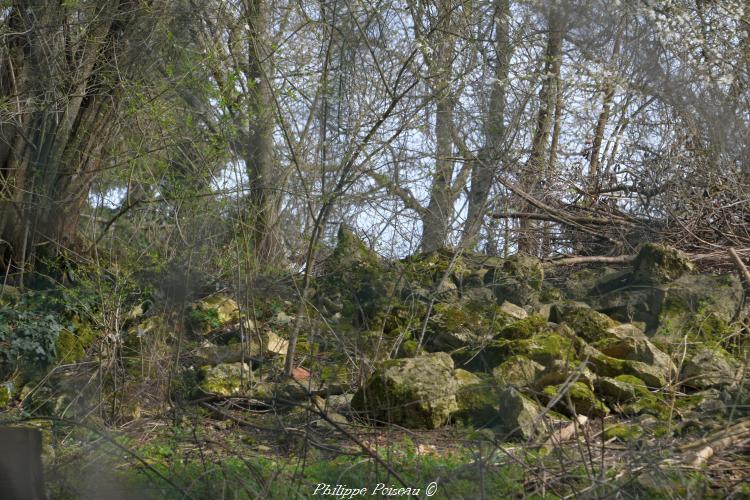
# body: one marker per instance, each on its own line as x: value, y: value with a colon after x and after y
x: 72, y: 342
x: 607, y: 366
x: 623, y: 432
x: 452, y: 326
x: 226, y: 379
x: 505, y: 410
x: 213, y: 313
x: 560, y: 371
x: 513, y: 311
x: 580, y: 284
x: 412, y: 392
x: 700, y: 306
x: 629, y: 343
x: 587, y: 323
x: 657, y: 264
x: 356, y: 279
x: 517, y: 416
x: 544, y: 348
x: 709, y: 367
x: 621, y: 389
x: 476, y: 399
x: 581, y: 396
x: 518, y: 371
x: 527, y: 268
x: 518, y: 280
x: 524, y: 328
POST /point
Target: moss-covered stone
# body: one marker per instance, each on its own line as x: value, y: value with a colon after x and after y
x: 701, y: 307
x: 581, y: 396
x: 587, y: 323
x: 477, y: 402
x: 513, y: 311
x: 518, y: 371
x: 527, y: 268
x: 412, y: 392
x: 709, y: 367
x: 524, y: 328
x: 659, y: 264
x: 543, y: 348
x: 71, y: 343
x: 560, y: 371
x: 630, y: 344
x: 518, y: 280
x: 465, y: 378
x: 621, y: 389
x: 607, y: 366
x: 212, y: 313
x: 459, y: 324
x: 517, y: 416
x: 580, y: 284
x: 623, y: 432
x: 227, y: 379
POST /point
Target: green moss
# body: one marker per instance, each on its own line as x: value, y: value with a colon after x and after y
x: 550, y: 294
x: 518, y: 371
x: 623, y: 432
x: 408, y: 349
x: 452, y: 317
x: 588, y: 323
x: 6, y: 394
x: 68, y: 348
x: 527, y: 268
x: 544, y: 348
x: 227, y: 379
x: 659, y: 264
x: 634, y: 381
x: 477, y: 404
x: 604, y: 365
x: 581, y: 396
x: 524, y: 328
x: 71, y: 344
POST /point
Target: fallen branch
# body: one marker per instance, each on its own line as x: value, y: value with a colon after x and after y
x: 559, y: 218
x: 740, y: 265
x: 590, y: 259
x: 626, y: 259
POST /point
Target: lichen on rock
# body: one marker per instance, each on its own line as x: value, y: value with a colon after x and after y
x: 412, y: 392
x: 659, y: 264
x: 581, y: 396
x: 226, y: 379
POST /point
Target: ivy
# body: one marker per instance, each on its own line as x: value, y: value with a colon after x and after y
x: 27, y: 338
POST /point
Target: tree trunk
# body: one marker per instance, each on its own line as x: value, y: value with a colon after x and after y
x: 436, y: 220
x: 528, y: 242
x: 491, y: 155
x: 608, y: 93
x: 264, y: 195
x: 62, y: 119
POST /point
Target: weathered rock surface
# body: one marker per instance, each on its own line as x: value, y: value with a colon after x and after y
x: 413, y: 392
x: 212, y: 313
x: 709, y: 368
x: 580, y: 396
x: 226, y: 379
